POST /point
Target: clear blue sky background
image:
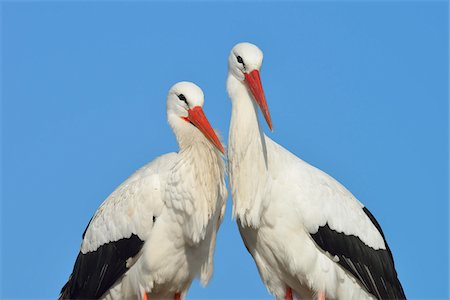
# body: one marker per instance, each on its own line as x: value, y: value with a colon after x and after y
x: 359, y: 90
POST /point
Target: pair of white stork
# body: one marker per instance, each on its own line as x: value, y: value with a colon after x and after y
x: 309, y: 236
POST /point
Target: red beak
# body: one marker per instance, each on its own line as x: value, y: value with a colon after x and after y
x: 198, y: 118
x: 254, y: 83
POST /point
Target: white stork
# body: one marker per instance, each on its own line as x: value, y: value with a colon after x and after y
x: 157, y: 231
x: 309, y: 236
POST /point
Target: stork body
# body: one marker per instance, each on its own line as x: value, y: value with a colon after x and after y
x: 156, y: 232
x: 309, y: 236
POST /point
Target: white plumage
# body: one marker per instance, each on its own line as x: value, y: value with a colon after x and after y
x: 308, y: 234
x: 156, y: 232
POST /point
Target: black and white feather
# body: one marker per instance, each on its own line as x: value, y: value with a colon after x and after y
x: 304, y: 229
x: 116, y: 234
x: 374, y: 268
x: 156, y: 232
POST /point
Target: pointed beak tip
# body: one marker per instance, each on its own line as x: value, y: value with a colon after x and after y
x: 253, y: 81
x: 269, y: 122
x: 198, y: 118
x: 219, y: 147
x: 217, y: 143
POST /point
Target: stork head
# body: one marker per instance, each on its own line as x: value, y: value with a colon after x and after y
x: 244, y: 63
x: 185, y: 114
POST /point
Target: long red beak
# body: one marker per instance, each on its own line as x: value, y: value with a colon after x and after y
x: 198, y: 118
x: 254, y: 83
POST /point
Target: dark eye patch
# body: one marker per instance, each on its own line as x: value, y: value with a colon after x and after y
x: 182, y: 98
x: 240, y: 60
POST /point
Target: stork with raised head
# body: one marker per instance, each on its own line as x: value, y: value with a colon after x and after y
x: 157, y: 231
x: 309, y: 236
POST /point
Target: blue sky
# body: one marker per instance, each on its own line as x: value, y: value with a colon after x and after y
x: 359, y: 90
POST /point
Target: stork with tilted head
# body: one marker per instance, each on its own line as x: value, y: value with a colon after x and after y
x: 157, y: 231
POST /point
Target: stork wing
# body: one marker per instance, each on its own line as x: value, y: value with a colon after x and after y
x: 373, y: 268
x: 117, y: 232
x: 340, y: 225
x: 95, y: 272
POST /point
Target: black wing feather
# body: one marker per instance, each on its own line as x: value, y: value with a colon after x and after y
x: 95, y: 272
x: 375, y: 269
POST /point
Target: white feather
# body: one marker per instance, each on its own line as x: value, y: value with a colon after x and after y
x: 186, y: 193
x: 278, y: 200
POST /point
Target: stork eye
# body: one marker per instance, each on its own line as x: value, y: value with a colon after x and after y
x: 240, y: 60
x: 182, y: 98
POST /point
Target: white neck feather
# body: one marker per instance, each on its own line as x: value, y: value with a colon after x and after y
x: 195, y: 185
x: 247, y: 155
